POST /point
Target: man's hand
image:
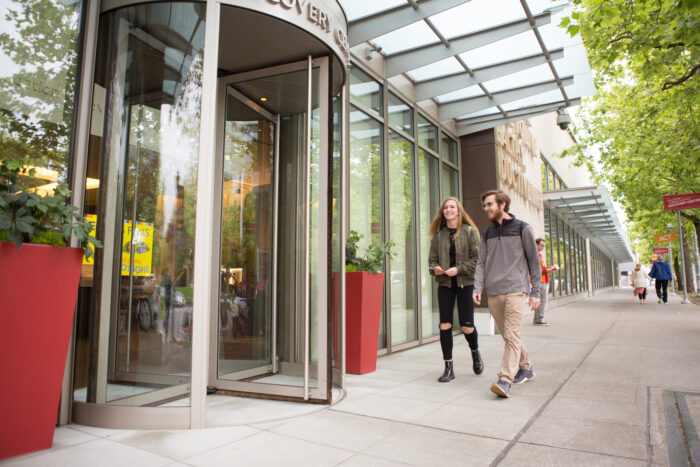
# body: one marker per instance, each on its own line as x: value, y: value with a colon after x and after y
x: 438, y: 271
x: 452, y: 272
x: 533, y: 302
x: 477, y: 298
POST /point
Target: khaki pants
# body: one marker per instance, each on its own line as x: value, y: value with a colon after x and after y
x: 507, y: 311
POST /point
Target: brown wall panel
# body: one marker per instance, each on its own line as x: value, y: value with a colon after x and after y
x: 478, y: 172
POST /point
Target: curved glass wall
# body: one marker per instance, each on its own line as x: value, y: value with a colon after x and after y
x: 134, y: 326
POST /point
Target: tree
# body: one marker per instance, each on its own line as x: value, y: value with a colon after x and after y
x: 644, y: 120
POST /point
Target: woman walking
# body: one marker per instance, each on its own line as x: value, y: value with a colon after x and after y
x: 640, y: 279
x: 454, y: 251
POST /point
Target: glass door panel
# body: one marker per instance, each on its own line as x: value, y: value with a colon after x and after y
x: 246, y: 289
x: 272, y: 335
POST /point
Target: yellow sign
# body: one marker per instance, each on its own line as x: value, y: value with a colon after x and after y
x: 143, y: 248
x: 143, y: 244
x: 665, y: 237
x: 92, y: 219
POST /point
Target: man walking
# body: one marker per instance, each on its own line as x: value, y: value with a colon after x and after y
x: 509, y: 269
x: 538, y: 318
x: 661, y: 273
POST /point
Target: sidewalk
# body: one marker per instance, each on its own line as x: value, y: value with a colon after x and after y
x: 617, y: 384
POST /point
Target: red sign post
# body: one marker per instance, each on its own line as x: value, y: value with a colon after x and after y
x: 686, y: 201
x: 677, y: 203
x: 660, y: 251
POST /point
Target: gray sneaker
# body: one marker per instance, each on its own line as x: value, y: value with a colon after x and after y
x: 501, y: 388
x: 540, y: 323
x: 524, y: 375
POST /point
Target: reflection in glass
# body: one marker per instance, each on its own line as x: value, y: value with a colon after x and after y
x: 39, y: 53
x: 365, y: 90
x: 245, y: 294
x: 427, y: 133
x: 450, y: 182
x: 143, y: 152
x: 365, y: 184
x: 449, y: 150
x: 429, y: 192
x: 400, y: 114
x: 402, y: 277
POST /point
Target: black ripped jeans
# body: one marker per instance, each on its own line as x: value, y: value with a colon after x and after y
x: 465, y: 309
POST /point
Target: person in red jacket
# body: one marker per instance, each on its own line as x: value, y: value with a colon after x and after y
x: 538, y: 318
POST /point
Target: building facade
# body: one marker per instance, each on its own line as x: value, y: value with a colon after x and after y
x: 224, y: 150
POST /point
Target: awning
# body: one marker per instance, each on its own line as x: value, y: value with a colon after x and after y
x: 484, y: 63
x: 590, y: 211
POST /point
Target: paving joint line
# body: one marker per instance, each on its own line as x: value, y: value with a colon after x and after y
x: 584, y: 451
x: 499, y: 458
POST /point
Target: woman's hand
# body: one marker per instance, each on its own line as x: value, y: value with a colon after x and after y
x: 451, y: 272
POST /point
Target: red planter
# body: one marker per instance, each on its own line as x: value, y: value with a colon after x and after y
x: 38, y: 290
x: 363, y: 311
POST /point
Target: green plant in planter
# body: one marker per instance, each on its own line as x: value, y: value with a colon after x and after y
x: 374, y: 258
x: 26, y: 217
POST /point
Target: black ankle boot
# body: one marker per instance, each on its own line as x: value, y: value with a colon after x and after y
x: 478, y: 362
x: 449, y: 373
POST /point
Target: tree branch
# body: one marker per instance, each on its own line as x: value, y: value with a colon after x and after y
x: 670, y: 84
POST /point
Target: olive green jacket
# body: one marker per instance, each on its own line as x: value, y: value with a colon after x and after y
x: 466, y: 252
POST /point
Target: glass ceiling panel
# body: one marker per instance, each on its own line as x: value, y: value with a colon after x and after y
x: 575, y: 61
x: 476, y: 15
x: 441, y: 68
x: 583, y: 86
x: 481, y: 113
x: 539, y: 99
x: 538, y: 6
x: 555, y: 36
x: 471, y: 91
x: 408, y: 37
x: 513, y: 47
x: 532, y: 75
x: 355, y: 9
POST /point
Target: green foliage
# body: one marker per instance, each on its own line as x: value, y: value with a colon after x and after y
x: 372, y: 261
x: 643, y: 121
x: 27, y: 217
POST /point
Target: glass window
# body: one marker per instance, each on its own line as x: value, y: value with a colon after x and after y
x: 543, y: 166
x: 400, y: 114
x: 449, y: 150
x: 365, y: 185
x: 429, y: 192
x: 365, y: 176
x: 450, y: 182
x: 365, y: 90
x: 144, y: 201
x: 427, y: 134
x: 402, y: 277
x: 39, y: 54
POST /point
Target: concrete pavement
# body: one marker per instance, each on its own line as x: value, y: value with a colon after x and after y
x: 617, y: 383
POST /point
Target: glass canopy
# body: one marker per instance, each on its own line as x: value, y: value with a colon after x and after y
x: 482, y: 66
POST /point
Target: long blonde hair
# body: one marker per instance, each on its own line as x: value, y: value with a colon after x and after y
x: 439, y: 221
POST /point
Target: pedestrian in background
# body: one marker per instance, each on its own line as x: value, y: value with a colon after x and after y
x: 538, y: 317
x: 454, y: 250
x: 640, y: 280
x: 661, y: 272
x: 509, y: 269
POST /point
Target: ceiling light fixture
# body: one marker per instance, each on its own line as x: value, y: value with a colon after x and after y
x: 263, y: 99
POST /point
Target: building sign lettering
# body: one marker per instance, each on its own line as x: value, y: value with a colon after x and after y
x: 512, y: 141
x: 317, y: 16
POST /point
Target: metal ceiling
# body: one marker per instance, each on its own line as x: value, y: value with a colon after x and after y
x: 590, y: 211
x: 483, y: 62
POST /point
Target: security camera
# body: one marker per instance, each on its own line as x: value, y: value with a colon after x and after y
x: 563, y: 119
